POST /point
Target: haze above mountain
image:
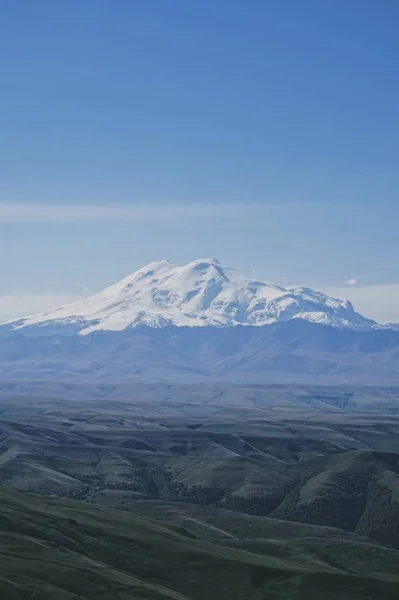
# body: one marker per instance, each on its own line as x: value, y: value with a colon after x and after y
x: 199, y: 294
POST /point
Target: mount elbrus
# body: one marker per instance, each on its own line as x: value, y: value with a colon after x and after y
x: 201, y: 294
x: 201, y: 320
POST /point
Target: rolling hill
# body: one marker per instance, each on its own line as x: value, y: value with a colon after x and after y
x: 338, y: 469
x: 52, y: 548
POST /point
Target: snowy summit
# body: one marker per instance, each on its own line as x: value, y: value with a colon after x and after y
x: 201, y: 293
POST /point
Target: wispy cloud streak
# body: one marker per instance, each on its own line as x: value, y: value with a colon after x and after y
x: 70, y: 213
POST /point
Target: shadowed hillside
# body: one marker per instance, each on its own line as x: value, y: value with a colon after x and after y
x: 332, y: 470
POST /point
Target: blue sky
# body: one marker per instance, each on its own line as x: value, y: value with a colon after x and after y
x: 264, y: 133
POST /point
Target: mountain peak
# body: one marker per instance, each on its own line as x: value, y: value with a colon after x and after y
x: 205, y: 261
x: 201, y: 293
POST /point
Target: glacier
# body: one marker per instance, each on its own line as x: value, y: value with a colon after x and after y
x: 202, y: 293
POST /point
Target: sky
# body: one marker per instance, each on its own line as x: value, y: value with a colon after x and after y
x: 262, y: 133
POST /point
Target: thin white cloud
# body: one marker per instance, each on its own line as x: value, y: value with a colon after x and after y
x: 352, y: 281
x: 17, y: 212
x: 20, y: 303
x: 379, y: 302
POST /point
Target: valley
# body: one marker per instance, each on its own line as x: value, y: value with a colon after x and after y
x: 295, y: 491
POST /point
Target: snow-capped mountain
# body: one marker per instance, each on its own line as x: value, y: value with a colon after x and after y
x: 201, y: 293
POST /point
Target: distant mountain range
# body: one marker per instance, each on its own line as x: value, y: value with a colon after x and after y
x: 202, y: 320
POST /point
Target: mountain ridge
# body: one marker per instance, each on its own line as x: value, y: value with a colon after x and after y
x: 294, y: 351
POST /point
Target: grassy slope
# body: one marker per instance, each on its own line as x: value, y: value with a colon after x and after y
x: 304, y: 544
x: 58, y: 549
x: 356, y: 491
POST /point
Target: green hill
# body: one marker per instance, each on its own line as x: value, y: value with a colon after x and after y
x: 357, y: 491
x: 59, y: 549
